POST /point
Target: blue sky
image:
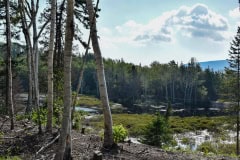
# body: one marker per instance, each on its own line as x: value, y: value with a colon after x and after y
x: 143, y: 31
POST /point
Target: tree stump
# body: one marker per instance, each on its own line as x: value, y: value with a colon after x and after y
x: 97, y: 155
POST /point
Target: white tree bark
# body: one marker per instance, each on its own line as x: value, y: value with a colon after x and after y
x: 108, y: 133
x: 64, y: 148
x: 25, y: 29
x: 50, y: 67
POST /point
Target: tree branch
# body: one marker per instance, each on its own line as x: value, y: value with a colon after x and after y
x: 42, y: 28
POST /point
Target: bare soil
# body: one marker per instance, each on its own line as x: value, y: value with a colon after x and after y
x: 25, y: 142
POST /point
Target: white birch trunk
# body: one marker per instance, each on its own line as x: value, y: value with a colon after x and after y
x: 64, y: 148
x: 50, y: 67
x: 108, y: 133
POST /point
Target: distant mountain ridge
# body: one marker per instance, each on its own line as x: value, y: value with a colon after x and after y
x: 217, y: 65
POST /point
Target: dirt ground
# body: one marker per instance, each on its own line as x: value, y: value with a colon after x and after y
x: 25, y: 142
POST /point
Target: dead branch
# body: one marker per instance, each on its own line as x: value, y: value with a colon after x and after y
x: 22, y: 130
x: 47, y: 145
x: 5, y: 120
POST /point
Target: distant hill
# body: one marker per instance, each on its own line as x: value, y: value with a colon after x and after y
x: 217, y: 65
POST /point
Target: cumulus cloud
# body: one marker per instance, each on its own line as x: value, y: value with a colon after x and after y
x: 234, y: 13
x: 197, y: 21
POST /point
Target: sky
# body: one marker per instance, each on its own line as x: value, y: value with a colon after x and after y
x: 143, y: 31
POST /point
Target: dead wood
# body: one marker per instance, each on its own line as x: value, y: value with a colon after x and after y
x: 47, y: 145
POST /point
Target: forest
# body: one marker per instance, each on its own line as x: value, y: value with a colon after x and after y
x: 156, y: 111
x: 184, y: 85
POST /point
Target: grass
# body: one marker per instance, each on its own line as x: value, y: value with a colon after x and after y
x: 135, y: 123
x: 9, y: 158
x: 88, y: 101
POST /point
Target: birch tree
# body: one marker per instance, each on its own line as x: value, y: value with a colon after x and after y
x: 108, y: 133
x: 50, y: 66
x: 64, y: 147
x: 28, y: 11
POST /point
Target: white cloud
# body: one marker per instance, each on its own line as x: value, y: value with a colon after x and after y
x: 197, y: 21
x: 235, y: 13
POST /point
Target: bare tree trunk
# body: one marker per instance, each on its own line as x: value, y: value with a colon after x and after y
x: 25, y: 29
x: 9, y: 66
x: 79, y: 84
x: 35, y: 59
x: 30, y: 83
x: 166, y: 90
x: 108, y: 133
x: 185, y: 96
x: 50, y: 67
x: 64, y: 148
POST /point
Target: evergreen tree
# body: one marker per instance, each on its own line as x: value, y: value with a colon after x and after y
x: 157, y: 132
x: 234, y: 63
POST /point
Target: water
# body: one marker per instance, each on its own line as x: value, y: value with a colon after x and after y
x: 199, y: 137
x: 90, y: 110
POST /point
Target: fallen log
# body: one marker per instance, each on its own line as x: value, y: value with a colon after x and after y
x: 47, y: 145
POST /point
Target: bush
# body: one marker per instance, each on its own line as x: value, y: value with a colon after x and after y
x: 78, y: 119
x: 43, y: 116
x: 119, y: 133
x: 227, y: 149
x: 158, y: 132
x: 207, y: 147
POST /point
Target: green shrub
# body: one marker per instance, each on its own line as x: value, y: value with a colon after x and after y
x: 10, y: 158
x: 207, y: 147
x: 77, y: 120
x: 119, y: 133
x: 186, y: 141
x: 43, y: 116
x: 227, y: 149
x: 158, y: 133
x: 1, y: 136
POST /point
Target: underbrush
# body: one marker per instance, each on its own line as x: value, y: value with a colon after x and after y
x: 135, y: 123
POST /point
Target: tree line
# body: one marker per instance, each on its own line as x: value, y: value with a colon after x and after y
x: 46, y: 64
x: 184, y: 85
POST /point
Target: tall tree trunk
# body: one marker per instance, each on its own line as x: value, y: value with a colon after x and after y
x: 35, y: 61
x: 9, y: 66
x: 64, y: 148
x: 80, y: 78
x: 50, y: 67
x: 238, y: 99
x: 166, y: 90
x: 30, y: 81
x: 108, y: 133
x: 58, y: 52
x: 25, y: 30
x: 185, y: 96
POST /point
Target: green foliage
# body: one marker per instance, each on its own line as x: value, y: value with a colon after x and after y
x: 169, y: 111
x: 57, y: 110
x: 227, y: 149
x: 212, y: 124
x: 135, y: 123
x: 78, y: 119
x: 186, y: 141
x: 158, y: 132
x: 88, y: 101
x: 10, y: 158
x: 1, y: 136
x: 119, y: 133
x: 207, y: 147
x: 43, y: 116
